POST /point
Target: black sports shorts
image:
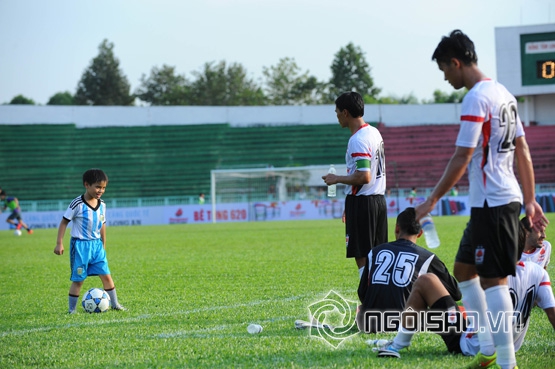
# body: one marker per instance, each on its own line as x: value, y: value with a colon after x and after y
x: 365, y: 224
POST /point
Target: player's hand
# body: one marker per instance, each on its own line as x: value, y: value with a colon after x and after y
x: 330, y: 179
x: 424, y: 208
x: 535, y: 215
x: 59, y: 250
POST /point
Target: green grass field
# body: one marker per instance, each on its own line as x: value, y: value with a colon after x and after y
x: 192, y: 290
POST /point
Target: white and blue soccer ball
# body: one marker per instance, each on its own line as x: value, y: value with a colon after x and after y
x: 17, y: 232
x: 96, y: 300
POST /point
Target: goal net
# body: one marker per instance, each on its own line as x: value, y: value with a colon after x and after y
x: 270, y: 184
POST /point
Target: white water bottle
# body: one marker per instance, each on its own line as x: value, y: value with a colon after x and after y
x: 379, y: 343
x: 430, y: 233
x: 332, y: 188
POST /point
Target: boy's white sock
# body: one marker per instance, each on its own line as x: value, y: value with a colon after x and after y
x: 113, y: 297
x: 72, y: 302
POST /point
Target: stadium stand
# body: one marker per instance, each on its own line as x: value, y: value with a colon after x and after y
x: 416, y: 156
x: 45, y: 161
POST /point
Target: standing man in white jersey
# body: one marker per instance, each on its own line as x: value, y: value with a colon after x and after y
x: 365, y: 215
x: 537, y: 249
x: 490, y: 136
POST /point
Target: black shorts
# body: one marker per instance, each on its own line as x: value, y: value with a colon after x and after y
x: 490, y: 240
x: 365, y: 224
x: 452, y: 338
x: 16, y: 214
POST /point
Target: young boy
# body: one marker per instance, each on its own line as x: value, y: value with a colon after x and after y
x: 12, y: 203
x: 88, y: 238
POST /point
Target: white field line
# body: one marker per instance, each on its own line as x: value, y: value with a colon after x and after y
x: 149, y: 316
x: 209, y: 332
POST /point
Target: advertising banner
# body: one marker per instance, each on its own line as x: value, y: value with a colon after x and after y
x: 258, y: 211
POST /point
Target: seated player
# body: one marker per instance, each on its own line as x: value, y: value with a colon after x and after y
x: 530, y: 285
x: 392, y: 269
x: 537, y: 249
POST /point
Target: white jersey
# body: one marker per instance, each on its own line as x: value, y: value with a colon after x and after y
x: 530, y: 285
x: 490, y: 124
x: 540, y: 255
x: 366, y: 144
x: 87, y: 221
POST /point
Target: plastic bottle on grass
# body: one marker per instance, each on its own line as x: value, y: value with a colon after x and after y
x: 332, y: 189
x: 430, y: 232
x: 379, y: 343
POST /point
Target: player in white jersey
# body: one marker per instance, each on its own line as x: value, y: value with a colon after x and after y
x: 490, y: 137
x: 365, y: 215
x: 537, y: 248
x: 529, y: 286
x: 88, y: 239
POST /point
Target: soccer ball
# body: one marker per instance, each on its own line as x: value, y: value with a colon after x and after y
x: 17, y: 232
x: 96, y: 300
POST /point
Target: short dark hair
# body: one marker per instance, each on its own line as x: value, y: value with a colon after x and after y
x: 526, y: 223
x: 94, y: 175
x: 352, y: 101
x: 407, y: 222
x: 524, y: 228
x: 457, y: 45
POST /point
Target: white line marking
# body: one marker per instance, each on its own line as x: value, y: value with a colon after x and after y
x: 149, y: 316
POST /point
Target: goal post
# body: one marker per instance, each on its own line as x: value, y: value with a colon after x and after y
x: 269, y: 184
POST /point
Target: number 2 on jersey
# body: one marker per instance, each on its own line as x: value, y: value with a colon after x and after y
x: 397, y: 269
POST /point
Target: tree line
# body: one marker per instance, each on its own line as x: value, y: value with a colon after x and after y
x: 227, y: 84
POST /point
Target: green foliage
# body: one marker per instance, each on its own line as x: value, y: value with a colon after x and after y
x: 103, y: 82
x: 351, y: 72
x: 285, y: 85
x: 61, y: 98
x: 164, y: 87
x: 21, y: 100
x: 406, y: 99
x: 219, y: 84
x: 441, y: 97
x: 192, y: 290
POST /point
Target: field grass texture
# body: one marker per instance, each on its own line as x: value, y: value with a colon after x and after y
x: 191, y: 291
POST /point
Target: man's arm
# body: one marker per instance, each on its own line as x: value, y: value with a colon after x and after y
x: 525, y: 169
x: 357, y: 178
x: 453, y: 172
x: 551, y: 315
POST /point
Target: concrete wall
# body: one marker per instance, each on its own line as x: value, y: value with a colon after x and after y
x: 540, y: 109
x: 102, y: 116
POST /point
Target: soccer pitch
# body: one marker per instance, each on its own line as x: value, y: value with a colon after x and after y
x: 191, y: 291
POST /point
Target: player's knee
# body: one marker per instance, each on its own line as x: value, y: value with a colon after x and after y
x: 425, y: 280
